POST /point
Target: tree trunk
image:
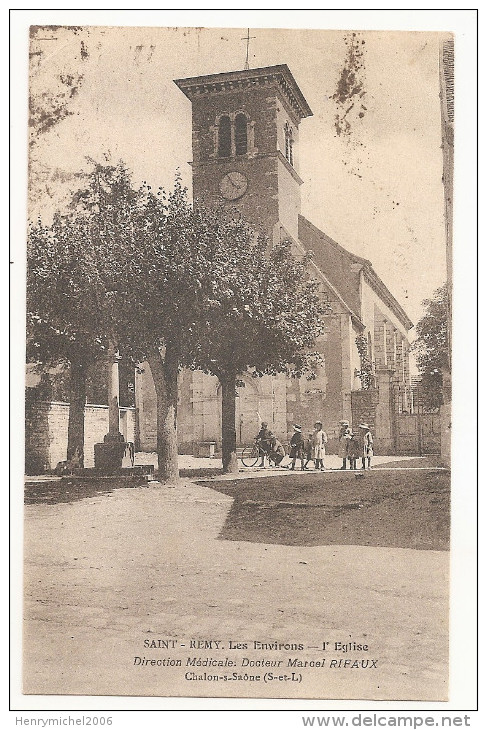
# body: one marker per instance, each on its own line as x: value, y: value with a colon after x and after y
x: 229, y: 433
x: 165, y: 376
x: 76, y: 420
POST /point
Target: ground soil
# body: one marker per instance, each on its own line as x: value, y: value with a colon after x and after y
x: 288, y: 558
x: 389, y: 509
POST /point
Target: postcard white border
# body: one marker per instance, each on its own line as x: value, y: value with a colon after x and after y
x: 463, y: 588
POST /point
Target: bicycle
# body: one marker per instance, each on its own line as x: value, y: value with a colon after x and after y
x: 250, y: 455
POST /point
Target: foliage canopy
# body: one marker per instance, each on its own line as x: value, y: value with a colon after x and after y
x: 431, y: 347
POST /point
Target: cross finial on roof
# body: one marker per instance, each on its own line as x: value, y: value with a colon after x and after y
x: 247, y: 38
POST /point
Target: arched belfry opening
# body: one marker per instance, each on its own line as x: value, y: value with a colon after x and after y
x: 224, y: 137
x: 240, y: 134
x: 289, y: 139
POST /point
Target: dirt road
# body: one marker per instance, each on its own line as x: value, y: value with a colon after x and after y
x: 108, y: 574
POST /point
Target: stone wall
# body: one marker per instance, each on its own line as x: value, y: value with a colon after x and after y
x: 445, y: 437
x: 364, y: 407
x: 46, y: 433
x: 260, y: 204
x: 384, y: 433
x: 322, y: 399
x: 146, y: 404
x: 374, y: 407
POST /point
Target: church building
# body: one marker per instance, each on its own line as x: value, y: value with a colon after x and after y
x: 245, y: 133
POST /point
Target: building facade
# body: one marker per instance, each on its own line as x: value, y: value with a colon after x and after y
x: 245, y: 138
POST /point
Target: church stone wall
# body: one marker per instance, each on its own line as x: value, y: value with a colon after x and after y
x: 145, y: 401
x: 260, y: 106
x: 283, y: 117
x: 364, y: 407
x: 259, y: 205
x: 272, y: 194
x: 185, y: 412
x: 389, y: 336
x: 206, y: 411
x: 374, y: 407
x: 391, y: 347
x: 199, y: 409
x: 320, y: 399
x: 289, y: 199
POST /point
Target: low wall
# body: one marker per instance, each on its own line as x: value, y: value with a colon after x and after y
x: 445, y: 438
x: 46, y: 433
x: 364, y: 407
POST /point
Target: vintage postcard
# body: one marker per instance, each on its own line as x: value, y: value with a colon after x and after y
x: 238, y: 389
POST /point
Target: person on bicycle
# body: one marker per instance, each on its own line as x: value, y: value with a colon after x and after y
x: 277, y: 452
x: 263, y: 441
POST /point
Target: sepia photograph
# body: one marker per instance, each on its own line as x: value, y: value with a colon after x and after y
x: 238, y: 384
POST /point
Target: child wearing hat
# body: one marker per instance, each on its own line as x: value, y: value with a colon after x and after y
x: 354, y: 450
x: 344, y: 442
x: 319, y: 440
x: 367, y: 445
x: 263, y: 440
x: 297, y: 447
x: 308, y: 449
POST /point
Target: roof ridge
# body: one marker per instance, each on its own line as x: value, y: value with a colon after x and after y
x: 369, y: 271
x: 321, y: 233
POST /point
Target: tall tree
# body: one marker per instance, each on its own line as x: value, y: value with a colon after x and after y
x: 64, y: 322
x: 76, y: 278
x: 177, y: 286
x: 431, y: 347
x: 161, y: 300
x: 206, y: 294
x: 263, y: 314
x: 111, y: 275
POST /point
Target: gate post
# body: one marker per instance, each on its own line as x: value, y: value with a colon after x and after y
x: 420, y: 431
x: 384, y: 424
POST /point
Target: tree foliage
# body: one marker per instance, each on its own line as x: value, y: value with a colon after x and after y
x: 65, y: 324
x: 79, y: 271
x: 260, y: 312
x: 431, y: 348
x: 64, y: 320
x: 173, y: 285
x: 214, y: 298
x: 56, y: 77
x: 72, y: 280
x: 365, y: 374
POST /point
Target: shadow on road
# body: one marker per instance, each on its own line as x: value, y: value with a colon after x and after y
x: 388, y: 509
x: 72, y: 490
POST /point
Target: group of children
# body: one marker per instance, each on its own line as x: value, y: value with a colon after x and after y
x: 310, y: 449
x: 352, y: 446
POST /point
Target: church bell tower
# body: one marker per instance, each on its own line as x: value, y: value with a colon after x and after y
x: 246, y: 144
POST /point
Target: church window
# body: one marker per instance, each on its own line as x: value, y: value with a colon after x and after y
x: 224, y: 137
x: 370, y: 348
x: 241, y: 134
x: 288, y: 135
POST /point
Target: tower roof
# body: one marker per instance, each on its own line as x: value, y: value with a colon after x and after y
x: 279, y: 76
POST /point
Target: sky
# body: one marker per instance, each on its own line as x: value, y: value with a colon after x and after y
x: 374, y: 184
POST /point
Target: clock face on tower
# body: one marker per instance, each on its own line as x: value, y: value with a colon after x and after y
x: 233, y: 185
